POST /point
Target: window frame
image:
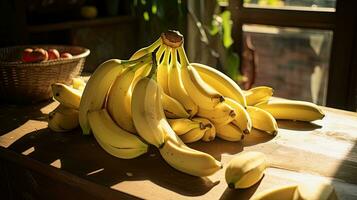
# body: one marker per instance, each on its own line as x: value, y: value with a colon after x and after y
x: 341, y: 87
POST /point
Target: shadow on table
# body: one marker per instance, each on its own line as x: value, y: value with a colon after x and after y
x: 298, y: 125
x: 242, y: 194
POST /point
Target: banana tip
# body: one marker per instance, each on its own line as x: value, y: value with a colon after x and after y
x: 246, y: 131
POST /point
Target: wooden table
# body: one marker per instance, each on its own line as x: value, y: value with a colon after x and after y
x: 36, y: 162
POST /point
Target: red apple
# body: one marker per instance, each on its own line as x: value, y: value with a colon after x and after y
x: 66, y: 55
x: 26, y: 55
x: 40, y: 54
x: 53, y: 54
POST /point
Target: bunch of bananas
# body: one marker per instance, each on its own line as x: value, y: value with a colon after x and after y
x: 159, y: 98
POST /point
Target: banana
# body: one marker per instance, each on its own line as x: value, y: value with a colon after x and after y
x: 221, y: 82
x: 163, y: 70
x: 210, y: 132
x: 316, y: 190
x: 182, y: 125
x: 245, y: 169
x: 78, y: 83
x: 189, y: 161
x: 173, y: 108
x: 107, y: 131
x: 146, y: 50
x: 123, y: 153
x: 288, y: 192
x: 194, y: 135
x: 202, y: 94
x: 119, y: 97
x: 258, y: 94
x: 293, y: 110
x: 222, y: 113
x: 63, y: 119
x: 97, y: 87
x: 242, y: 119
x: 176, y: 88
x: 262, y: 120
x: 66, y: 95
x: 147, y: 111
x: 229, y: 132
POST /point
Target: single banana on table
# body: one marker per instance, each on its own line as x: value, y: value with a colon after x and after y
x: 182, y: 125
x: 221, y: 82
x: 210, y: 132
x: 120, y: 93
x: 202, y: 94
x: 258, y: 94
x: 242, y: 119
x: 245, y: 169
x: 63, y: 119
x: 176, y: 87
x: 66, y: 95
x: 229, y: 132
x: 98, y: 85
x: 292, y: 110
x: 113, y: 139
x: 173, y: 109
x: 222, y: 113
x: 263, y: 120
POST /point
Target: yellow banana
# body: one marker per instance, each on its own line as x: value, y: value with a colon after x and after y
x: 229, y: 132
x: 242, y: 119
x: 182, y: 125
x: 146, y: 50
x: 222, y: 113
x: 66, y: 95
x: 194, y: 135
x: 262, y: 120
x: 173, y: 108
x: 316, y: 190
x: 176, y: 88
x: 97, y: 87
x: 147, y: 111
x: 202, y: 94
x: 221, y: 82
x: 210, y: 132
x: 258, y: 94
x: 293, y: 110
x: 163, y: 71
x: 119, y: 97
x: 78, y: 83
x: 107, y: 131
x: 63, y: 119
x: 288, y: 192
x: 245, y: 169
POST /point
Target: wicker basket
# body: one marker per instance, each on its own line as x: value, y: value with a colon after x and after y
x: 31, y: 82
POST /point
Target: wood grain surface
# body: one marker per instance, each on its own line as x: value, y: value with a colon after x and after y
x: 325, y: 149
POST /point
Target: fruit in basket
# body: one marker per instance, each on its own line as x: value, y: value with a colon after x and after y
x: 245, y: 169
x: 27, y: 55
x: 66, y: 55
x: 66, y: 95
x: 37, y: 55
x: 53, y: 54
x: 63, y: 119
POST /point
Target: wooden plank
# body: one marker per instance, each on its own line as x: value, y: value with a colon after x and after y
x: 325, y: 149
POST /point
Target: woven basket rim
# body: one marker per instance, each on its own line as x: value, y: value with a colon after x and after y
x: 75, y: 58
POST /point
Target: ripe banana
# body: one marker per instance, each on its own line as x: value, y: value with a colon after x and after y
x: 146, y: 50
x: 229, y: 132
x: 147, y: 111
x: 176, y: 88
x: 288, y: 192
x: 163, y: 70
x: 293, y: 110
x: 202, y: 94
x: 182, y: 125
x: 258, y: 94
x: 221, y: 82
x: 119, y: 97
x: 245, y: 169
x: 194, y: 135
x: 107, y: 131
x: 262, y: 120
x: 66, y: 95
x: 173, y: 108
x: 210, y: 132
x: 63, y: 119
x: 97, y: 87
x: 242, y: 119
x: 221, y: 114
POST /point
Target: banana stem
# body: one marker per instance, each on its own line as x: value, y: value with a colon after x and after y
x: 174, y: 57
x: 166, y: 56
x: 183, y: 57
x: 159, y: 52
x: 154, y: 65
x: 154, y: 45
x: 172, y: 38
x: 143, y: 59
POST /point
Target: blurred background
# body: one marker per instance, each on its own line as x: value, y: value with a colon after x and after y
x: 304, y: 49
